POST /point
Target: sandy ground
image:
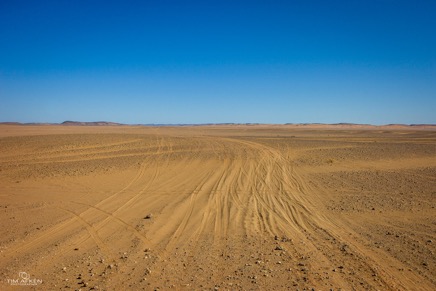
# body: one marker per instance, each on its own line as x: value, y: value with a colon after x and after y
x: 218, y: 207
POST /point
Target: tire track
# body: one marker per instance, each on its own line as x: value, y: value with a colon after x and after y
x: 93, y: 232
x: 201, y: 189
x: 294, y: 211
x: 139, y: 235
x: 48, y: 235
x: 219, y: 203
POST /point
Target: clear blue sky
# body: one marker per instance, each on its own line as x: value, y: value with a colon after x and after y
x: 371, y: 61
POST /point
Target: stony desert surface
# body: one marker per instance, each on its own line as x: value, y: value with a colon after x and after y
x: 217, y: 208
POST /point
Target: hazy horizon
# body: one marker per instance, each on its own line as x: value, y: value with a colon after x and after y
x: 79, y: 122
x: 371, y: 62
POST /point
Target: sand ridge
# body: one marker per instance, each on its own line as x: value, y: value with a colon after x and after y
x: 228, y: 207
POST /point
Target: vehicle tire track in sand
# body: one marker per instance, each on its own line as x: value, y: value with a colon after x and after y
x: 42, y: 239
x: 93, y: 233
x: 202, y: 189
x: 141, y: 236
x: 289, y: 208
x: 137, y: 177
x: 47, y: 236
x: 141, y: 173
x: 226, y: 208
x: 267, y: 187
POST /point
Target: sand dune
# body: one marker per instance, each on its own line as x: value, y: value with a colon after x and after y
x: 228, y: 207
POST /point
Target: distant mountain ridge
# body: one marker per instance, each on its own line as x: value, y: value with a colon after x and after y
x: 341, y: 125
x: 91, y: 123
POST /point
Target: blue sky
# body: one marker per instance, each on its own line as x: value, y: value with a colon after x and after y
x: 218, y: 61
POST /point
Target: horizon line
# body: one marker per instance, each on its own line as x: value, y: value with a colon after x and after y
x: 110, y: 123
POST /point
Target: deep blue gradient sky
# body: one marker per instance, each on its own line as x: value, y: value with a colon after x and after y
x: 160, y: 61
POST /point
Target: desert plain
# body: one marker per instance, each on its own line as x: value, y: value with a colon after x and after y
x: 218, y: 207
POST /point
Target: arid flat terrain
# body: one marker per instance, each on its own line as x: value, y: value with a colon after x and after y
x: 217, y: 208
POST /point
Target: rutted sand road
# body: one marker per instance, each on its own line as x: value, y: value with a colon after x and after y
x: 228, y: 211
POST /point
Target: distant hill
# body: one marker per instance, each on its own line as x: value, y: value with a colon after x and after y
x: 92, y: 123
x: 11, y: 123
x: 342, y: 125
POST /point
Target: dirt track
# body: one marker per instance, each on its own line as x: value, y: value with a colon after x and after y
x: 236, y: 207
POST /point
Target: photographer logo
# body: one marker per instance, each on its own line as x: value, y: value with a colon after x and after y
x: 24, y: 279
